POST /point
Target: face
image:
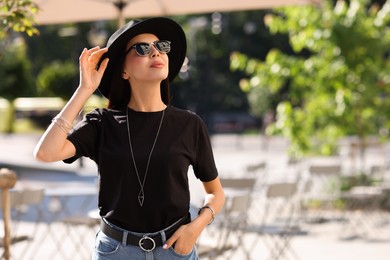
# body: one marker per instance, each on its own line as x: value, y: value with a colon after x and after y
x: 149, y: 68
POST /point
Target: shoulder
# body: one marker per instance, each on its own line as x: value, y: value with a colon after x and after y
x: 187, y: 119
x: 184, y: 114
x: 104, y: 114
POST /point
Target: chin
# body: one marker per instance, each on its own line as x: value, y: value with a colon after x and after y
x: 160, y: 77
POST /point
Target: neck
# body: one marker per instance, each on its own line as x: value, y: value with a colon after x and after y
x: 146, y: 98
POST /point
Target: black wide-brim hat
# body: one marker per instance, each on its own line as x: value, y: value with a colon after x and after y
x: 163, y: 28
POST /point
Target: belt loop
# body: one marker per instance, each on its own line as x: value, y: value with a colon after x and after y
x: 149, y: 256
x: 124, y: 238
x: 163, y: 237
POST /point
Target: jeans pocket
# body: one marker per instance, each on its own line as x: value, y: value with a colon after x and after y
x: 105, y: 245
x: 191, y: 255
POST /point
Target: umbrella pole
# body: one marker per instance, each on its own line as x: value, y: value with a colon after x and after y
x: 120, y: 5
x: 121, y: 20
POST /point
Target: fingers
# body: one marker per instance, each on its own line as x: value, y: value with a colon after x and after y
x: 182, y: 240
x: 90, y: 73
x: 171, y: 240
x: 181, y: 245
x: 103, y: 65
x: 96, y: 53
x: 86, y: 53
x: 92, y: 55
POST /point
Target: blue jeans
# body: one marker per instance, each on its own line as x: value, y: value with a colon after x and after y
x: 107, y: 248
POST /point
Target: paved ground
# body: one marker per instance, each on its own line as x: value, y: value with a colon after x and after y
x: 52, y: 239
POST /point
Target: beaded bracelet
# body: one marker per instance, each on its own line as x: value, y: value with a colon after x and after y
x: 211, y: 211
x: 63, y: 124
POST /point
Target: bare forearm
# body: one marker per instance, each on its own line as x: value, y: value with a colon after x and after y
x: 187, y: 235
x: 215, y: 201
x: 51, y: 146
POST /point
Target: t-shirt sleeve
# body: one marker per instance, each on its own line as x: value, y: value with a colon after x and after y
x: 85, y: 136
x: 204, y: 166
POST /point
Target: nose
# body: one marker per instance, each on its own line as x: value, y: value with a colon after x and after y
x: 154, y: 52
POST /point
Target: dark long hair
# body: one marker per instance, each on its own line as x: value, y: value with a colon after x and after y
x: 120, y: 92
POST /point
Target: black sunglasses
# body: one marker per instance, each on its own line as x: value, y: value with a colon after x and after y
x: 144, y: 48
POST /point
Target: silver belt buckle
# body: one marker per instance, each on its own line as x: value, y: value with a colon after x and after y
x: 141, y: 243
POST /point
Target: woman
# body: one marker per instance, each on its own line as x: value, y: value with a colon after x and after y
x: 141, y: 144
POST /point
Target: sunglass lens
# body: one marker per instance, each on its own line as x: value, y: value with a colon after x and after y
x: 142, y: 49
x: 163, y: 46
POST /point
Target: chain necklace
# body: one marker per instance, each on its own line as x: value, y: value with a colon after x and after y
x: 141, y: 194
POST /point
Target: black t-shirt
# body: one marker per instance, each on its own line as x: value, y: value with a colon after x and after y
x: 183, y: 141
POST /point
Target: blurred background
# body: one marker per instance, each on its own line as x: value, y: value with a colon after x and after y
x: 285, y: 83
x: 313, y: 72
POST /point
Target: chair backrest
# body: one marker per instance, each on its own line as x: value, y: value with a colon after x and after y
x: 281, y: 203
x: 332, y: 169
x: 258, y: 171
x: 282, y: 190
x: 325, y: 178
x: 240, y: 203
x: 24, y: 197
x: 238, y: 192
x: 238, y: 183
x: 256, y: 167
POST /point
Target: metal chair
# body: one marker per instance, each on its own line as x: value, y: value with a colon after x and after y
x: 73, y: 213
x: 258, y: 171
x: 81, y: 229
x: 257, y: 168
x: 323, y: 190
x: 364, y: 215
x: 280, y: 220
x: 232, y: 222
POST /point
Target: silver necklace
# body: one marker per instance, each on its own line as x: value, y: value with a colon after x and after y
x: 141, y: 194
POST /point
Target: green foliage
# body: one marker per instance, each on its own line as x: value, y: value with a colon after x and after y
x: 52, y: 44
x: 57, y: 80
x: 361, y: 179
x: 16, y: 79
x: 336, y: 83
x: 206, y: 86
x: 18, y: 16
x: 210, y: 85
x: 5, y: 107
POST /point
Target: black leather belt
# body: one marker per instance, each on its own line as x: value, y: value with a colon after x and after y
x: 146, y: 243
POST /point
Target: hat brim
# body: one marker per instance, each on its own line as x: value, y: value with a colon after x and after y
x: 163, y: 28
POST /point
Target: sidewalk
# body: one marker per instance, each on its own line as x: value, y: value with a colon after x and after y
x: 321, y: 243
x: 232, y: 155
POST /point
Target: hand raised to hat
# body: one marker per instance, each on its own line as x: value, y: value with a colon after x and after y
x: 90, y: 77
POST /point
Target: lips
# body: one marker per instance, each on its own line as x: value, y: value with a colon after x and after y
x: 157, y: 64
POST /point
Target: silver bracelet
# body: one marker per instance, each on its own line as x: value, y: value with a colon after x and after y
x: 211, y: 211
x: 63, y: 124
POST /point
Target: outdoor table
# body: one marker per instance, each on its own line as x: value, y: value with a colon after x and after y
x: 63, y: 207
x: 59, y: 199
x: 363, y: 208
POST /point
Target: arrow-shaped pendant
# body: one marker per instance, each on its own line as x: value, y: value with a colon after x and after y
x: 141, y: 197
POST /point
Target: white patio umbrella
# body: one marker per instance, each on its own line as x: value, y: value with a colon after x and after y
x: 63, y: 11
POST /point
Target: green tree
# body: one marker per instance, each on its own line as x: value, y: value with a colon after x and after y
x: 15, y: 73
x: 59, y: 43
x: 15, y: 16
x: 206, y: 85
x: 57, y: 80
x: 337, y: 82
x: 209, y: 85
x: 18, y: 16
x: 16, y: 78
